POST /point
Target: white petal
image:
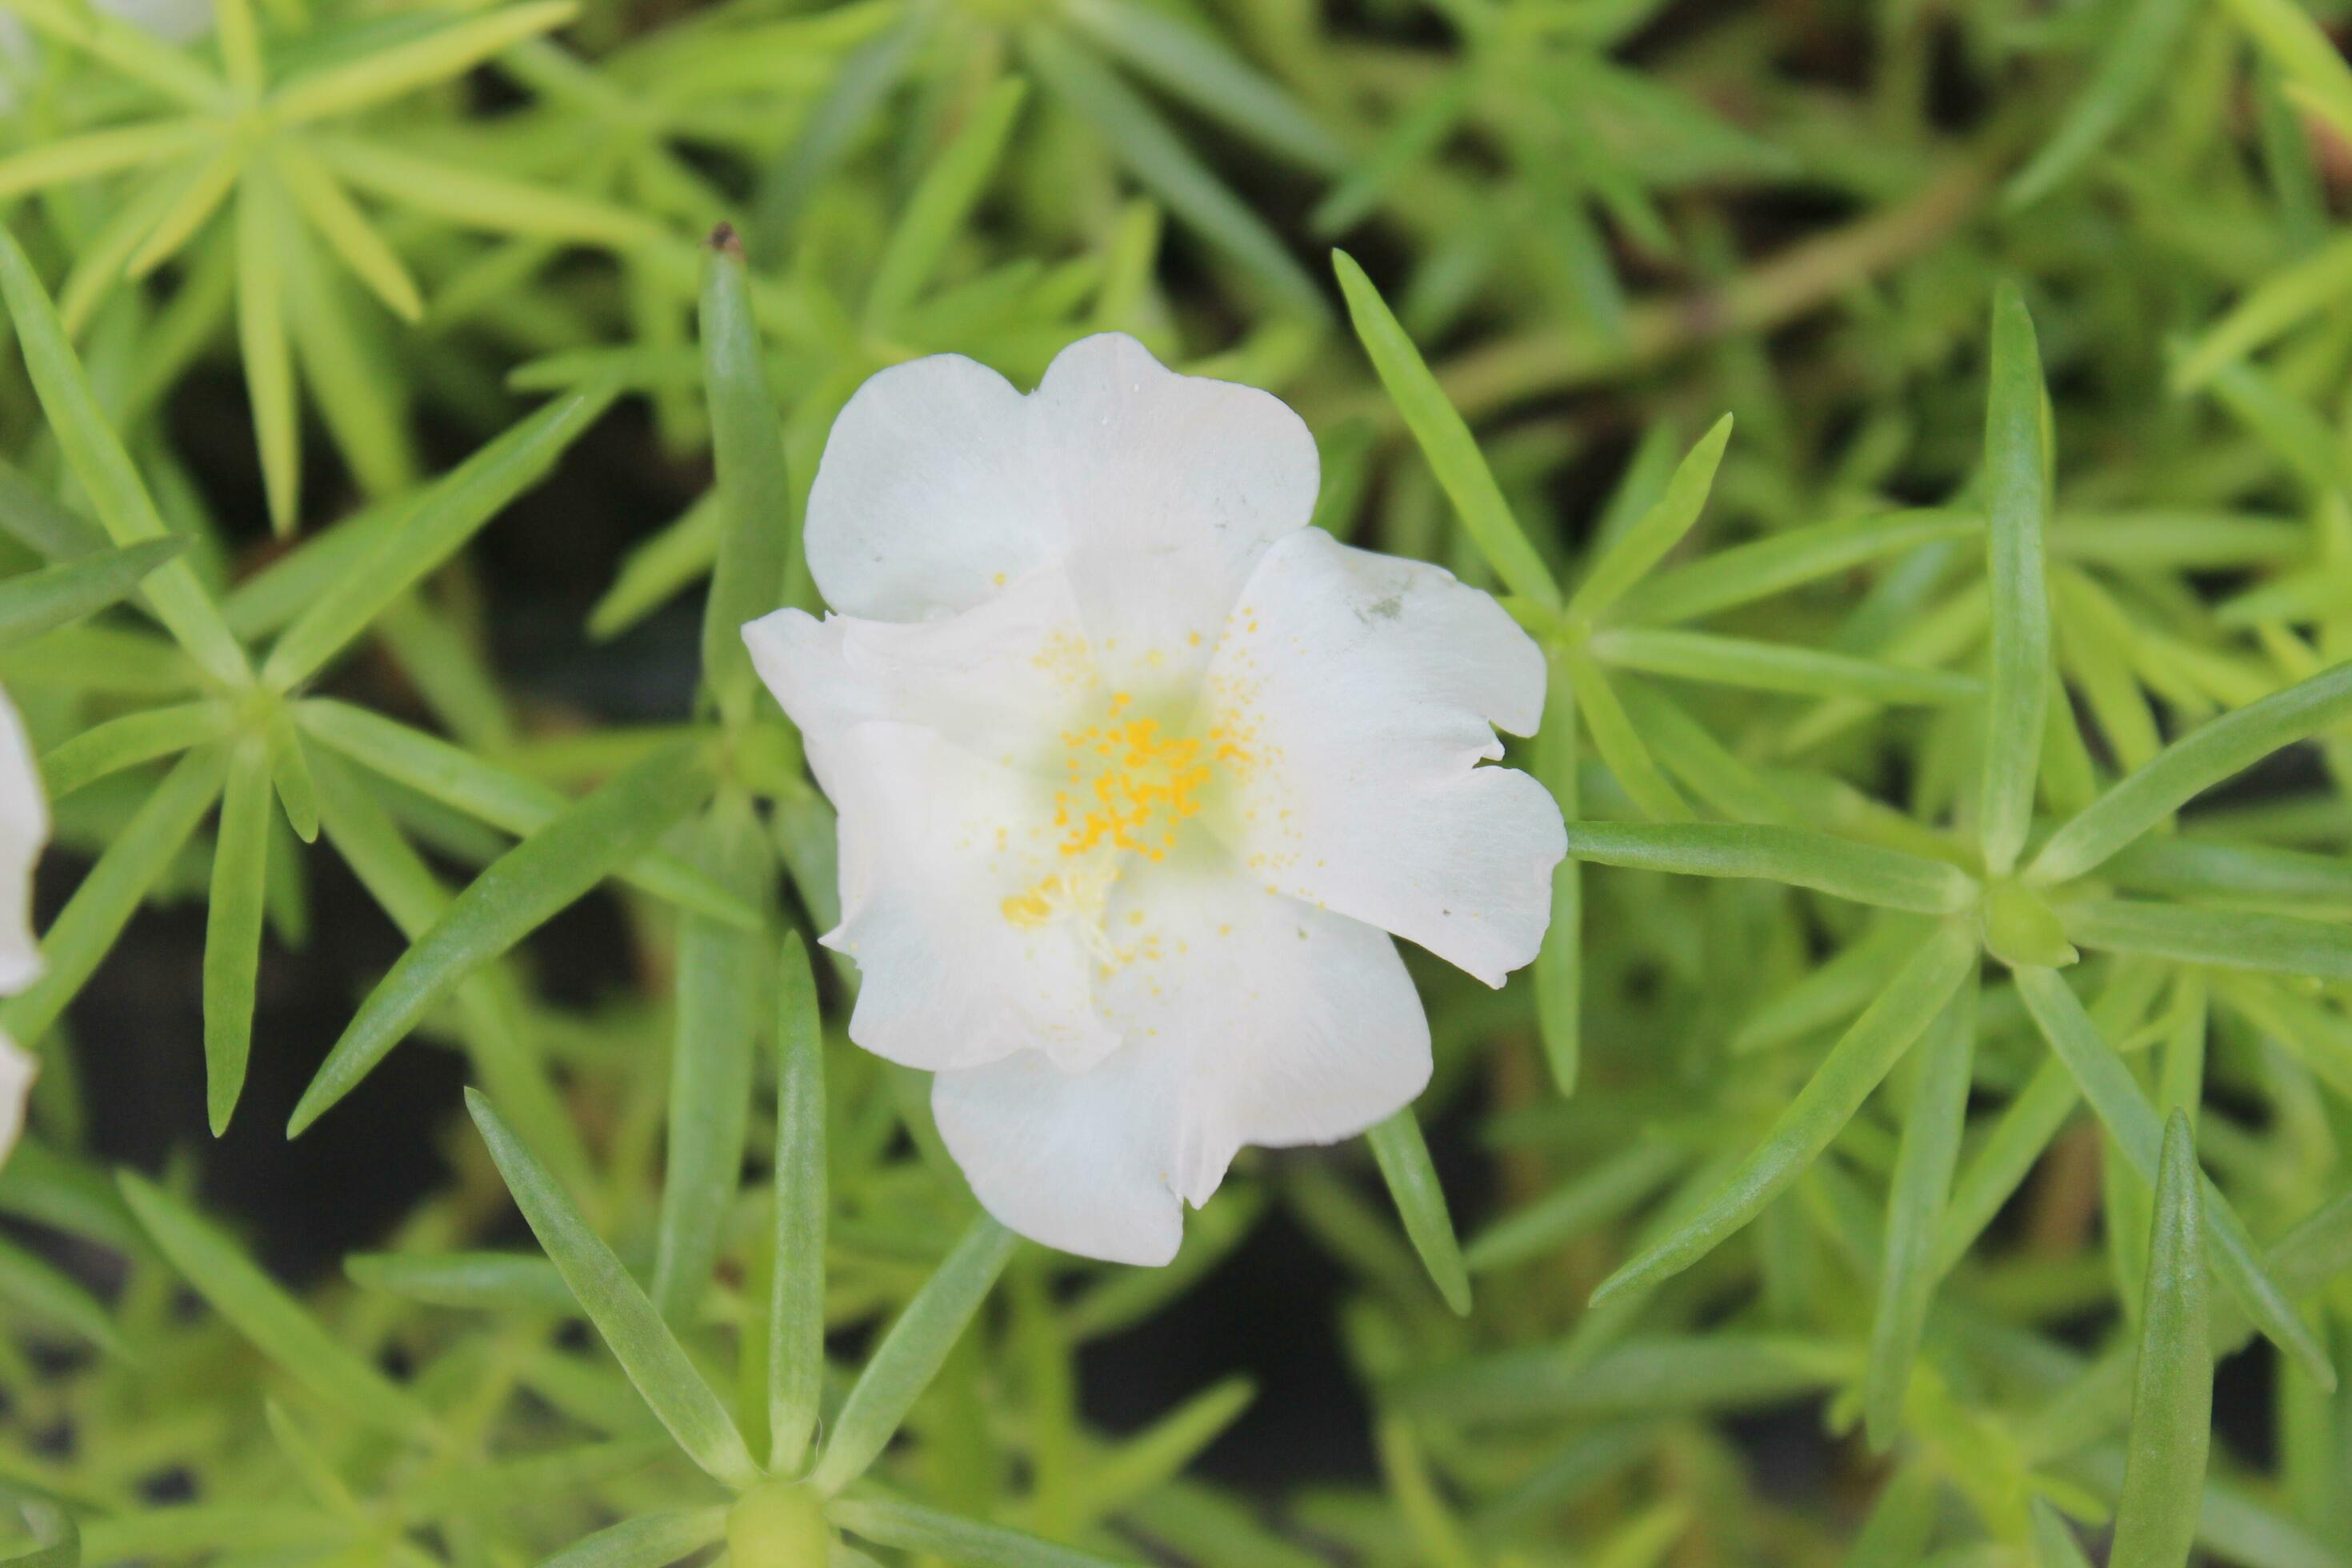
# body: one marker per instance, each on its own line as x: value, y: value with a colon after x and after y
x: 1361, y: 689
x: 934, y: 843
x: 19, y: 1068
x: 1248, y: 1018
x: 1156, y: 491
x: 24, y: 830
x: 1075, y: 1160
x: 1290, y: 1024
x: 1006, y: 676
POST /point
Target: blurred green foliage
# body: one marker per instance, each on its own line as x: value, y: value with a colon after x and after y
x: 1902, y: 976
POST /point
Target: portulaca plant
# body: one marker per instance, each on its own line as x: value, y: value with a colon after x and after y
x: 705, y: 703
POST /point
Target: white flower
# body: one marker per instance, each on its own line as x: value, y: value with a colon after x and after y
x: 24, y: 829
x: 1136, y: 772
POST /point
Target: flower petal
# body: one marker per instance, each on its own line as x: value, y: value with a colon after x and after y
x: 1156, y: 491
x: 1358, y: 691
x: 1248, y: 1018
x: 24, y: 831
x: 942, y: 855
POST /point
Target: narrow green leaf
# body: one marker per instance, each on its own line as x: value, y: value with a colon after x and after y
x: 1725, y: 1369
x: 1607, y: 1192
x: 1630, y: 557
x: 1164, y: 163
x: 466, y: 194
x: 1821, y: 1110
x: 263, y: 348
x: 1614, y: 736
x: 137, y: 856
x: 513, y: 897
x: 612, y: 1302
x: 1747, y: 664
x: 272, y: 1321
x: 1445, y: 440
x: 1162, y: 1451
x: 2123, y: 1109
x: 648, y: 1541
x: 210, y: 178
x: 754, y: 487
x: 1798, y: 856
x: 720, y: 997
x: 662, y: 566
x: 796, y: 1298
x: 1193, y: 65
x: 1900, y: 1522
x: 490, y: 1013
x: 1420, y: 1201
x: 95, y: 152
x: 97, y: 457
x: 2281, y: 300
x: 2002, y: 1161
x: 438, y: 523
x: 2190, y: 765
x: 128, y: 49
x: 941, y: 205
x: 912, y: 1353
x: 2172, y: 1399
x: 2305, y: 54
x: 2239, y: 939
x: 36, y: 601
x: 1915, y: 1213
x: 40, y: 1289
x: 2017, y: 507
x: 966, y: 1541
x: 2054, y: 1545
x: 1746, y: 572
x: 2130, y: 65
x: 506, y: 801
x: 289, y: 771
x: 402, y: 67
x: 863, y: 78
x: 1559, y: 962
x: 479, y: 1281
x: 233, y: 928
x: 330, y: 209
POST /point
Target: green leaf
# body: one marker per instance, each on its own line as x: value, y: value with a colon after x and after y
x: 2280, y: 944
x: 272, y: 1321
x: 1608, y: 1192
x: 263, y: 346
x: 1745, y: 663
x: 1191, y: 64
x: 858, y: 86
x: 2000, y: 1163
x: 796, y: 1298
x: 2054, y: 1545
x: 662, y: 566
x: 912, y: 1353
x: 95, y: 152
x: 433, y: 528
x: 1628, y: 559
x: 60, y: 1534
x: 2017, y: 506
x: 138, y: 855
x: 38, y: 1288
x: 2190, y: 766
x: 1151, y: 1459
x: 2281, y: 300
x: 1915, y: 1213
x: 1725, y: 1370
x: 1163, y: 163
x: 941, y: 206
x: 2318, y: 78
x: 1420, y: 1201
x: 36, y: 601
x: 506, y: 801
x: 463, y: 193
x: 966, y: 1541
x: 2123, y: 1109
x: 330, y: 210
x: 97, y: 457
x: 2172, y: 1399
x: 1559, y: 962
x: 1445, y: 440
x: 2130, y: 66
x: 1820, y: 1110
x: 720, y: 994
x: 753, y: 485
x: 1900, y: 1522
x: 1726, y: 578
x: 1614, y: 736
x: 233, y: 928
x: 612, y: 1302
x: 1798, y: 855
x: 478, y: 1281
x: 649, y: 1540
x: 392, y: 70
x: 514, y: 895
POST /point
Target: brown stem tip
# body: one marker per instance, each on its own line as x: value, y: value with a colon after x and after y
x: 726, y: 241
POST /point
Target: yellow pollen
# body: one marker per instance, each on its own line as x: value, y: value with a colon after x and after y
x: 1132, y: 784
